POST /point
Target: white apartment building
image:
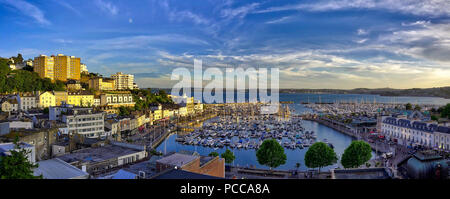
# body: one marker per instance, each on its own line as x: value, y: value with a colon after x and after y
x: 410, y: 132
x: 123, y: 81
x: 82, y: 121
x: 442, y: 138
x: 26, y: 101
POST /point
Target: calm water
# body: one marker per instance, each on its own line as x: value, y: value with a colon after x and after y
x: 330, y: 98
x: 247, y: 157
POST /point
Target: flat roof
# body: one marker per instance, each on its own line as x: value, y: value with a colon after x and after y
x: 5, y: 147
x: 58, y: 169
x: 98, y: 154
x: 177, y: 159
x: 181, y: 174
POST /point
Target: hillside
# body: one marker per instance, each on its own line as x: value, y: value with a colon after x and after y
x: 443, y: 92
x: 24, y: 80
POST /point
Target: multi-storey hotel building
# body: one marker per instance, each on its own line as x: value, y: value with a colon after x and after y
x: 123, y: 81
x: 60, y: 67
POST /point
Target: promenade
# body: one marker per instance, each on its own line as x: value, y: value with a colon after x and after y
x: 155, y: 134
x: 377, y: 146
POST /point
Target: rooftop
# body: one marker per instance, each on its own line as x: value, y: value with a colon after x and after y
x: 58, y: 169
x: 4, y: 147
x: 97, y: 154
x: 181, y: 174
x: 177, y: 159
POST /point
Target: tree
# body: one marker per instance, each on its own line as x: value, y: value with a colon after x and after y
x: 320, y: 155
x: 445, y: 113
x: 355, y: 155
x: 124, y: 111
x: 417, y: 108
x: 18, y: 59
x: 271, y: 154
x: 408, y: 106
x: 17, y: 165
x: 434, y: 117
x: 228, y: 156
x: 213, y: 154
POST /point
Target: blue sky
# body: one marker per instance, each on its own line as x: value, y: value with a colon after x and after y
x: 315, y: 43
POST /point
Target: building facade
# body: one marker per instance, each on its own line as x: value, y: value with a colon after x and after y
x: 81, y: 121
x: 44, y: 65
x: 81, y: 98
x: 47, y: 99
x: 123, y: 81
x: 60, y: 97
x: 442, y: 138
x: 26, y: 101
x: 99, y: 83
x: 9, y: 105
x: 117, y: 99
x: 60, y: 67
x: 411, y: 133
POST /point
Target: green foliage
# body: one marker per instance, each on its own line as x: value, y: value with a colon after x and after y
x: 28, y: 68
x: 149, y: 98
x: 228, y: 156
x: 213, y: 154
x: 46, y: 110
x: 445, y: 111
x: 356, y: 154
x: 408, y: 106
x: 125, y: 111
x: 155, y: 153
x: 17, y: 165
x: 434, y: 117
x: 271, y: 154
x: 24, y: 81
x: 417, y: 108
x: 320, y: 155
x: 18, y: 59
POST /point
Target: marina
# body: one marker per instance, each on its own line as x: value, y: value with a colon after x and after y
x: 241, y: 130
x: 244, y: 145
x: 249, y: 133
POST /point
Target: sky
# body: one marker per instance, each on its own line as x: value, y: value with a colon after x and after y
x: 338, y: 44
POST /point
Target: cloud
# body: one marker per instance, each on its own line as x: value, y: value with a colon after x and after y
x: 362, y: 32
x: 187, y: 15
x: 311, y: 67
x: 68, y: 6
x: 422, y: 40
x: 143, y: 41
x: 28, y: 9
x: 415, y: 7
x: 280, y: 20
x: 184, y: 15
x: 361, y: 41
x: 106, y: 6
x: 63, y: 41
x: 240, y: 12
